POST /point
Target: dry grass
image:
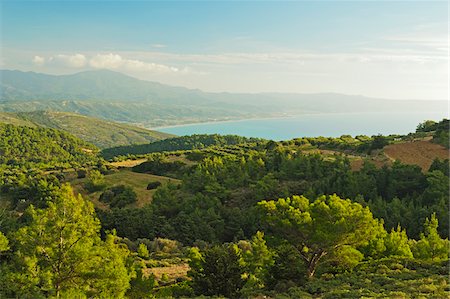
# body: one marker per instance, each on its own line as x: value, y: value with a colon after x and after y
x: 173, y: 272
x: 420, y: 153
x: 128, y: 163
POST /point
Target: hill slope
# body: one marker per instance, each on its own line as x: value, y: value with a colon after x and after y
x: 102, y: 133
x: 26, y: 147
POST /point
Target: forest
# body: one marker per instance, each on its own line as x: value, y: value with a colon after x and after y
x: 223, y: 217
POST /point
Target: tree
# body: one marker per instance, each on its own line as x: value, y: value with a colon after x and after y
x: 216, y: 271
x: 426, y: 126
x: 4, y: 243
x: 321, y: 228
x: 60, y: 253
x: 256, y: 258
x: 143, y: 251
x: 431, y: 245
x: 96, y: 181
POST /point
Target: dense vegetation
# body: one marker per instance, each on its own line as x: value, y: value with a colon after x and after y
x: 25, y: 147
x: 99, y: 132
x: 175, y: 144
x: 233, y: 217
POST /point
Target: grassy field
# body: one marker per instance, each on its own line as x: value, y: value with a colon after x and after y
x: 138, y: 181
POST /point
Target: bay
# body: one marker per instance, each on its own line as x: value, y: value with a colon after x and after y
x: 312, y: 125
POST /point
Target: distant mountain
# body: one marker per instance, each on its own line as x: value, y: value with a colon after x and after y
x: 115, y: 96
x: 101, y: 133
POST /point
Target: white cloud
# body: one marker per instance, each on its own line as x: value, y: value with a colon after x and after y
x: 72, y: 61
x: 38, y: 60
x: 159, y: 46
x: 106, y: 61
x: 115, y: 61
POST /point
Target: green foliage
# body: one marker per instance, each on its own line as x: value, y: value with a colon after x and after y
x: 59, y: 253
x: 141, y: 286
x: 27, y: 147
x: 441, y: 135
x: 153, y: 185
x: 256, y: 258
x: 216, y: 271
x: 161, y: 166
x: 317, y: 229
x: 396, y: 243
x: 179, y: 143
x: 4, y: 243
x: 119, y: 196
x: 378, y: 142
x: 101, y: 133
x: 426, y: 126
x: 95, y: 181
x: 143, y: 251
x: 431, y: 245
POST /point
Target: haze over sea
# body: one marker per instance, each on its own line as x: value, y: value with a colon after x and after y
x: 312, y: 125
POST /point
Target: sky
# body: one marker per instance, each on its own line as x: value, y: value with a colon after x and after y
x: 386, y: 49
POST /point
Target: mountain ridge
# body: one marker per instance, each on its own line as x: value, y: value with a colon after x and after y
x: 118, y: 97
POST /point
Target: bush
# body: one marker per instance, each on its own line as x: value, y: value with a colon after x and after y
x: 119, y: 196
x: 153, y: 185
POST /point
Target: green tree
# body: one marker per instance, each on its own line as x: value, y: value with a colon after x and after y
x: 256, y: 258
x: 4, y: 243
x: 426, y: 126
x: 60, y: 253
x: 96, y: 181
x: 396, y: 243
x: 319, y: 229
x: 143, y: 251
x: 216, y: 271
x: 431, y: 245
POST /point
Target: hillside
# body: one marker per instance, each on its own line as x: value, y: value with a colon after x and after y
x: 102, y: 133
x: 115, y: 96
x: 421, y: 153
x: 26, y: 147
x: 176, y: 144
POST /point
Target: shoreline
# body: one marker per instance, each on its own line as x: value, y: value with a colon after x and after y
x: 270, y: 118
x: 218, y: 121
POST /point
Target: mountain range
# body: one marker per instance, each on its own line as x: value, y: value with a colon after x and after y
x: 118, y: 97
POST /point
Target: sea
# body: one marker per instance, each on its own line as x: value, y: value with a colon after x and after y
x: 312, y: 125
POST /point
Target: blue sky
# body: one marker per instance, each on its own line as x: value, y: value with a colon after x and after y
x: 375, y: 48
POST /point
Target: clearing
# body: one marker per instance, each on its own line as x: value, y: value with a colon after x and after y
x: 420, y: 153
x: 138, y: 181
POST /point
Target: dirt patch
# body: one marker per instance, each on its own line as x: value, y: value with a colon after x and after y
x: 172, y: 272
x: 420, y: 153
x: 128, y: 163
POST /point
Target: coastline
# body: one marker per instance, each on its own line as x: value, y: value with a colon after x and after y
x: 287, y: 116
x: 221, y: 121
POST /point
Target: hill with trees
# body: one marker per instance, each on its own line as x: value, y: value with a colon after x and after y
x: 178, y: 143
x: 42, y: 148
x: 237, y: 218
x: 100, y: 132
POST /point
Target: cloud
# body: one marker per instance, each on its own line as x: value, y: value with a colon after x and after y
x: 38, y: 60
x: 159, y: 46
x: 115, y: 61
x: 105, y: 61
x: 72, y: 61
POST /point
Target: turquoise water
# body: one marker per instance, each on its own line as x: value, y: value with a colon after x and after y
x: 332, y: 125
